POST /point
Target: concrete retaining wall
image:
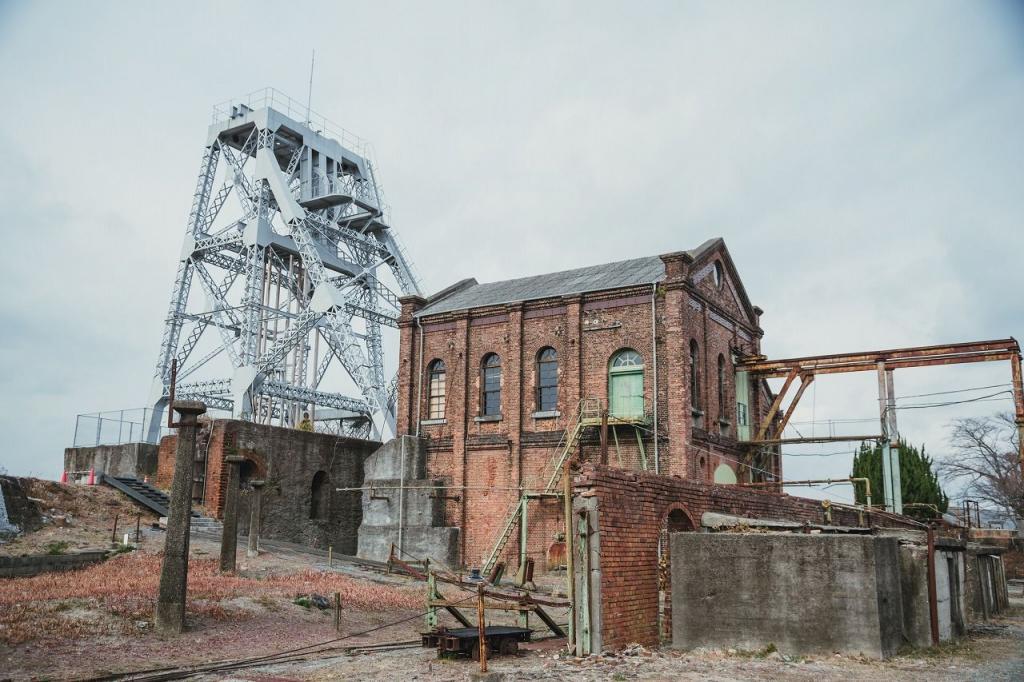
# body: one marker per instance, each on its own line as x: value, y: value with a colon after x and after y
x: 19, y: 514
x: 23, y: 566
x: 420, y: 506
x: 802, y: 593
x: 137, y: 460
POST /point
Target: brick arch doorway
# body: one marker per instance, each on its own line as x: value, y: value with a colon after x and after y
x: 676, y: 519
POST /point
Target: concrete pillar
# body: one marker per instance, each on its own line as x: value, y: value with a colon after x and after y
x: 170, y: 605
x: 254, y: 519
x: 229, y: 538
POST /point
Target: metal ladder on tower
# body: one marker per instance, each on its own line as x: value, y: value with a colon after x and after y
x: 588, y: 414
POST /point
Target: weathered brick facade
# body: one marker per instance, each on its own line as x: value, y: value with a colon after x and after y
x: 633, y: 508
x: 695, y: 297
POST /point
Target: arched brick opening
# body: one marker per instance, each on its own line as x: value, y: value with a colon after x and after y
x: 675, y: 519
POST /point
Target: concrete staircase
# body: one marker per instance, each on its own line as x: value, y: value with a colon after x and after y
x: 204, y: 524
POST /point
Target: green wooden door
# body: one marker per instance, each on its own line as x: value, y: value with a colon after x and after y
x: 626, y: 393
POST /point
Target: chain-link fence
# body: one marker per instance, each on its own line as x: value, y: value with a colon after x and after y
x: 115, y: 427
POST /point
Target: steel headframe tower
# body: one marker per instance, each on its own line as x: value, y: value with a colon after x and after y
x: 293, y: 274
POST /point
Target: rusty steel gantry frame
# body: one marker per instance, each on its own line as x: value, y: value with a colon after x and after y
x: 884, y: 362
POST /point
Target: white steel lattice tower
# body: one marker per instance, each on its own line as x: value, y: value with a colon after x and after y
x: 298, y: 271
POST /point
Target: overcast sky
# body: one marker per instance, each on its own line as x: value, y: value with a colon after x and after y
x: 863, y: 161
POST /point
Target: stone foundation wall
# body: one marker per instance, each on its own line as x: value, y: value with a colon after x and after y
x: 289, y: 461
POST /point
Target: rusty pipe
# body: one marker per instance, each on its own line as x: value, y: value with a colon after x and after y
x: 813, y: 481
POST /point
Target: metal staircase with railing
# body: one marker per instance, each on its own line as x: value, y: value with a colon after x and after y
x: 589, y: 414
x: 156, y: 500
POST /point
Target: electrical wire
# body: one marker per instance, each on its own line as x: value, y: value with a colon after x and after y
x: 959, y: 390
x: 818, y: 454
x: 984, y: 398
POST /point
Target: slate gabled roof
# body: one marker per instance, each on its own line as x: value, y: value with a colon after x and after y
x: 581, y: 280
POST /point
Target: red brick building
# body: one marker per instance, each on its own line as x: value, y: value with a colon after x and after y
x: 492, y: 375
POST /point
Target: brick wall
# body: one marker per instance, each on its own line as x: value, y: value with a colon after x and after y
x: 633, y: 507
x: 490, y: 460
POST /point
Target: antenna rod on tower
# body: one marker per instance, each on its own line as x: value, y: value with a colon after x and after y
x: 309, y: 97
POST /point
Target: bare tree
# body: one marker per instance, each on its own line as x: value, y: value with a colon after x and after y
x: 985, y: 461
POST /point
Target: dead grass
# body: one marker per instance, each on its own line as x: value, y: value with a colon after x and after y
x: 114, y: 596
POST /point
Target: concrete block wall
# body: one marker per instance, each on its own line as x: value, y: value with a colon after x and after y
x: 801, y: 593
x: 137, y: 460
x: 401, y: 506
x: 24, y: 566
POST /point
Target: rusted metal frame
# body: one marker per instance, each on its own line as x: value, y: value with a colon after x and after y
x: 569, y: 549
x: 892, y: 364
x: 501, y: 596
x: 873, y: 357
x: 1018, y: 401
x: 491, y: 606
x: 868, y: 364
x: 393, y: 560
x: 775, y: 405
x: 816, y: 481
x: 805, y: 381
x: 816, y: 439
x: 482, y: 631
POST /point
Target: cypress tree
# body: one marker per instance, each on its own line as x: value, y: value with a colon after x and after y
x: 918, y: 483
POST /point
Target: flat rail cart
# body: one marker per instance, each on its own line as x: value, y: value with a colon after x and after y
x: 501, y: 639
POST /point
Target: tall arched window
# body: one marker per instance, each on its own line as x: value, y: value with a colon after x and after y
x: 547, y: 380
x: 721, y: 388
x: 436, y: 390
x: 490, y: 385
x: 626, y: 384
x: 694, y: 375
x: 320, y: 495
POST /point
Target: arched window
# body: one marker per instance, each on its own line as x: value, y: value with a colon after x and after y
x: 626, y: 384
x: 724, y: 475
x: 436, y: 390
x: 320, y: 495
x: 490, y: 385
x: 547, y: 380
x: 721, y: 387
x: 717, y: 275
x: 694, y: 375
x: 722, y: 414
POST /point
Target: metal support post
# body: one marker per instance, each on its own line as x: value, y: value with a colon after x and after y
x: 883, y: 403
x: 569, y: 578
x: 523, y: 531
x: 482, y: 627
x: 894, y: 453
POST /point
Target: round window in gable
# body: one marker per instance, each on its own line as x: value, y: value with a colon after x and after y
x: 717, y: 275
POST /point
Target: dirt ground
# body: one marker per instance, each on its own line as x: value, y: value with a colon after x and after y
x: 98, y: 622
x: 76, y: 517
